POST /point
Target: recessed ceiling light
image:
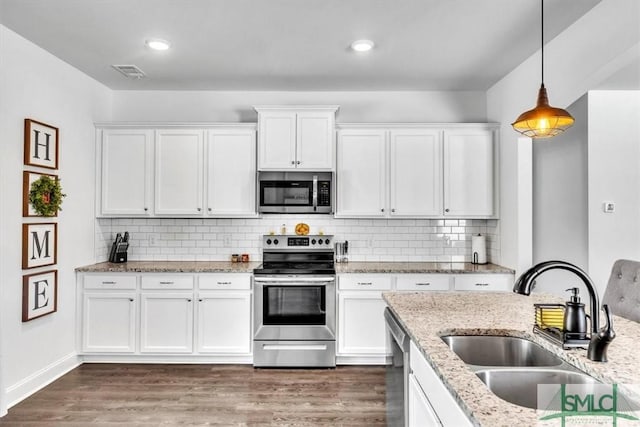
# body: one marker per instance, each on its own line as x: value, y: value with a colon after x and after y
x: 158, y: 44
x: 362, y: 45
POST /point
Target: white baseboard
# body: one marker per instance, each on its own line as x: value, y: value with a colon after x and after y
x: 188, y: 359
x: 45, y: 376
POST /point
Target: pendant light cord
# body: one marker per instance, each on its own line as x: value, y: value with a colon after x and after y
x: 542, y: 38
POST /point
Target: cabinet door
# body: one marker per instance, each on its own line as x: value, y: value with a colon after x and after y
x: 315, y: 140
x: 179, y: 172
x: 224, y: 322
x: 231, y: 172
x: 361, y: 327
x: 468, y: 173
x: 483, y: 282
x: 421, y: 413
x: 277, y: 140
x: 361, y: 174
x: 108, y: 322
x: 166, y: 322
x: 415, y: 173
x: 126, y: 164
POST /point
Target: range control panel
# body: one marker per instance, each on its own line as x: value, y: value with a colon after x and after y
x: 297, y: 242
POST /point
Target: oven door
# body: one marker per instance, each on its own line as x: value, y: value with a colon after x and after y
x: 294, y: 308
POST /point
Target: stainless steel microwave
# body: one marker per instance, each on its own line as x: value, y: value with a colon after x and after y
x: 295, y: 192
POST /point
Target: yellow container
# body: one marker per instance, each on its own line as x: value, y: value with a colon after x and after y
x: 550, y: 316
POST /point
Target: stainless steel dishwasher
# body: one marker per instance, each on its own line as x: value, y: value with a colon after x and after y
x: 397, y: 380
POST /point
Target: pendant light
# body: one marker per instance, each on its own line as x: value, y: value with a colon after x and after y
x: 544, y: 121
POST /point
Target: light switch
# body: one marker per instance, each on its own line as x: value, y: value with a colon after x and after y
x: 608, y: 207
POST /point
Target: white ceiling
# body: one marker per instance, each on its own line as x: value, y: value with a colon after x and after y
x: 293, y: 44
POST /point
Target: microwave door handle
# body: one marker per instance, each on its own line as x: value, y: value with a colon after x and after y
x: 315, y: 193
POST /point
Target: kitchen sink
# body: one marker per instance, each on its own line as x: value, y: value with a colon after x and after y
x: 487, y: 350
x: 520, y: 386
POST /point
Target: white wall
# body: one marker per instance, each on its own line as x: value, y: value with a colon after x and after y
x: 560, y: 215
x: 614, y: 175
x: 35, y: 84
x: 595, y: 47
x: 236, y: 106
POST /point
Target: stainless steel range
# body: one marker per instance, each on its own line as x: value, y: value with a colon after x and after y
x: 295, y: 303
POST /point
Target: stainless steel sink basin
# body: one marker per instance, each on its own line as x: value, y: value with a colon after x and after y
x: 486, y: 350
x: 520, y: 386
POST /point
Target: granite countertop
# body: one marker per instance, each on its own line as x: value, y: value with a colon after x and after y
x: 171, y: 267
x: 429, y: 315
x: 419, y: 267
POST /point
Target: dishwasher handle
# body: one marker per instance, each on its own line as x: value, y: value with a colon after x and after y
x: 397, y: 331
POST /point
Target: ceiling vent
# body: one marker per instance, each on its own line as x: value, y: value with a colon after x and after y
x: 130, y: 71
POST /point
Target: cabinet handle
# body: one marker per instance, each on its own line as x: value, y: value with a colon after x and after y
x: 199, y: 209
x: 188, y: 299
x: 200, y: 300
x: 166, y: 283
x: 210, y: 209
x: 293, y: 162
x: 223, y: 283
x: 108, y: 283
x: 131, y: 299
x: 298, y: 161
x: 365, y: 283
x: 382, y: 210
x: 482, y: 284
x: 424, y: 284
x: 393, y: 210
x: 146, y: 209
x: 446, y: 210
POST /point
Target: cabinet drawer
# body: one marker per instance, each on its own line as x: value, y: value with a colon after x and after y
x: 224, y: 281
x: 167, y: 282
x: 365, y: 282
x: 423, y: 282
x: 483, y: 282
x: 109, y: 282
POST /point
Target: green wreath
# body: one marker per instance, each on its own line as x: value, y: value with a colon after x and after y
x: 46, y: 196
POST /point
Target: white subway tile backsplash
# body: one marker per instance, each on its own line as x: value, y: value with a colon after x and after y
x: 377, y: 240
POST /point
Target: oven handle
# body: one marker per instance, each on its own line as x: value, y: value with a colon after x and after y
x: 293, y: 279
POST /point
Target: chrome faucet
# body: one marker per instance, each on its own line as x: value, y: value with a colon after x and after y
x: 526, y: 282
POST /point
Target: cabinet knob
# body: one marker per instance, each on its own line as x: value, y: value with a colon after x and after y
x: 393, y: 210
x: 199, y: 209
x: 200, y: 300
x: 382, y: 210
x: 146, y: 209
x: 209, y: 209
x: 131, y: 299
x: 188, y: 299
x: 293, y: 162
x: 298, y: 161
x: 446, y: 210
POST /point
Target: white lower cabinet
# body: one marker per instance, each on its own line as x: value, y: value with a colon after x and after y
x: 432, y: 401
x: 223, y: 323
x: 166, y: 322
x: 109, y: 322
x: 483, y: 282
x: 421, y: 414
x: 185, y: 317
x: 362, y: 336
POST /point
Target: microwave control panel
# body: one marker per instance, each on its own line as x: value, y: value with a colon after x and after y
x: 324, y: 193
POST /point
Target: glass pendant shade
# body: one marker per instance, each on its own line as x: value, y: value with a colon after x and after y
x: 544, y: 121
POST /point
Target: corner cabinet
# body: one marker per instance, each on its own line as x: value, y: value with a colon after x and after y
x: 296, y: 137
x: 420, y: 171
x: 176, y: 171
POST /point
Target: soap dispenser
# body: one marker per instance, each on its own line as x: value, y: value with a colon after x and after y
x: 575, y: 318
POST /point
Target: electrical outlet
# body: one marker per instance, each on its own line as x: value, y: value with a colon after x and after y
x: 226, y: 240
x: 153, y: 240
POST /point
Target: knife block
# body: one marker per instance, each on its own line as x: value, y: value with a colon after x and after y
x: 118, y: 252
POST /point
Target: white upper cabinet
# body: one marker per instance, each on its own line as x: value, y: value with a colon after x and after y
x: 179, y: 172
x: 295, y: 137
x: 415, y: 172
x: 361, y: 173
x: 231, y: 172
x: 469, y: 173
x: 125, y: 163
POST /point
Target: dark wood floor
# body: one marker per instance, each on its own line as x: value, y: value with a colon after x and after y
x: 231, y: 395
